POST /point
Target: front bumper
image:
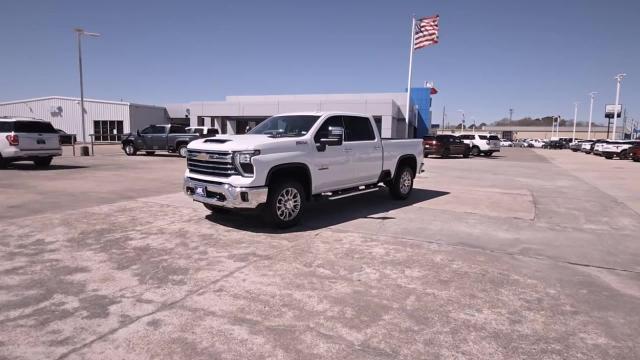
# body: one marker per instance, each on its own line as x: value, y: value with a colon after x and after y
x: 225, y: 195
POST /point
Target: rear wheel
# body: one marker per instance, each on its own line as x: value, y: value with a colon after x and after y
x: 624, y: 155
x: 149, y: 152
x: 466, y: 154
x: 446, y: 152
x: 402, y: 183
x: 43, y: 162
x: 130, y: 150
x: 182, y: 151
x: 285, y: 204
x: 475, y: 151
x: 636, y: 159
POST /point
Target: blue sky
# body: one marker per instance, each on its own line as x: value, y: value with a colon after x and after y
x: 535, y: 56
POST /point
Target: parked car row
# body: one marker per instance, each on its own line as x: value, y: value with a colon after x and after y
x: 609, y: 149
x: 464, y: 145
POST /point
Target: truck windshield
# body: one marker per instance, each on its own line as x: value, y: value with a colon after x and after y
x: 286, y: 125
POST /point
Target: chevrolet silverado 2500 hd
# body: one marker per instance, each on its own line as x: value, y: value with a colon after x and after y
x: 290, y: 159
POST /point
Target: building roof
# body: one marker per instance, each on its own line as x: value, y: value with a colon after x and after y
x: 76, y: 99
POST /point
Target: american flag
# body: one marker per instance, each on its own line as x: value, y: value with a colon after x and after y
x: 426, y: 32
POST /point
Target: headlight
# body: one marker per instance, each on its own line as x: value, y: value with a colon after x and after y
x: 242, y: 159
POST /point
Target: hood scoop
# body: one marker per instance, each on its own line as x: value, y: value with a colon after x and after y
x: 216, y: 141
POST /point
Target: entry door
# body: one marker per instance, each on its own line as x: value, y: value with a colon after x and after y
x: 364, y: 150
x: 330, y: 170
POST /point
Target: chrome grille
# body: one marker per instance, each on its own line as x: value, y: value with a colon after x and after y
x: 212, y: 163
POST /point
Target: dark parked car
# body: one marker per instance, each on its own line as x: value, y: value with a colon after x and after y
x: 634, y: 152
x: 169, y: 138
x: 66, y: 139
x: 445, y: 145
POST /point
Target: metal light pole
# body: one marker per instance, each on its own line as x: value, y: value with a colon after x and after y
x: 575, y: 118
x: 510, y: 116
x: 592, y: 95
x: 553, y: 125
x: 462, y: 111
x: 615, y: 110
x: 81, y: 32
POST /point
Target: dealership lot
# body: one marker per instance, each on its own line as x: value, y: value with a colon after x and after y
x: 527, y: 254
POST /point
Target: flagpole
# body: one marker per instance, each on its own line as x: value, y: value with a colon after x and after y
x: 408, y: 108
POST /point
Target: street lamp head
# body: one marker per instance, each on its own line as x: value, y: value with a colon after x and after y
x: 82, y: 32
x: 593, y: 93
x: 620, y: 76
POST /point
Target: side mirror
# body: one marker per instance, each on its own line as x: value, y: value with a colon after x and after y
x: 138, y: 132
x: 334, y: 138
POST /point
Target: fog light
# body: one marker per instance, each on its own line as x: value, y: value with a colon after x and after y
x: 244, y: 196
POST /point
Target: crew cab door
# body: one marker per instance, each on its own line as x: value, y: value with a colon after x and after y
x: 364, y: 148
x: 330, y: 164
x: 153, y: 138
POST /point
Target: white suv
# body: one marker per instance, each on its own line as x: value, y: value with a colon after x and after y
x: 485, y: 144
x: 28, y: 139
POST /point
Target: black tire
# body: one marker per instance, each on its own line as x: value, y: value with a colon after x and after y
x: 285, y: 204
x: 445, y: 153
x: 182, y: 151
x: 43, y: 161
x: 624, y: 155
x: 3, y: 163
x: 475, y: 151
x: 426, y: 156
x: 130, y: 149
x: 635, y: 159
x: 466, y: 154
x: 488, y: 153
x: 608, y: 157
x: 402, y: 179
x: 150, y: 153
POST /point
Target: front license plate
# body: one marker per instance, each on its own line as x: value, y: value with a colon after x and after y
x: 200, y: 190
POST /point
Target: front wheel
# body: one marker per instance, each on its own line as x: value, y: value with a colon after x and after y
x: 624, y: 155
x: 130, y: 150
x: 402, y: 183
x: 475, y: 151
x: 488, y: 153
x: 43, y: 162
x: 285, y: 204
x: 466, y: 154
x: 608, y: 157
x: 182, y: 151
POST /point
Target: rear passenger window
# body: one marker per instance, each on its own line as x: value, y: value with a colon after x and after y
x: 358, y: 128
x: 494, y: 137
x: 178, y: 130
x: 41, y: 127
x: 6, y: 126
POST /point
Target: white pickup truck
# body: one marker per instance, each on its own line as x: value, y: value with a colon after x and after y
x: 290, y: 159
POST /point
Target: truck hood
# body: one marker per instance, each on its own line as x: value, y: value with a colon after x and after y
x: 244, y: 142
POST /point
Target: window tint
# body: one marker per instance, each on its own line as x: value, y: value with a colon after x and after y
x: 153, y: 129
x: 467, y: 137
x: 323, y: 131
x: 34, y: 127
x: 483, y: 137
x: 357, y: 128
x: 429, y: 138
x: 443, y: 138
x: 174, y: 129
x: 6, y: 126
x: 196, y: 131
x: 494, y: 137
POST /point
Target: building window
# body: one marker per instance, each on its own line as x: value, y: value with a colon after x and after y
x: 107, y: 130
x: 200, y: 121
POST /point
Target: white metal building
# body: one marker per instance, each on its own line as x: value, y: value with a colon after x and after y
x: 234, y: 114
x: 108, y: 120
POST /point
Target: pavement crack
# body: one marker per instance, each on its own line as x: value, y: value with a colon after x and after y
x: 171, y: 304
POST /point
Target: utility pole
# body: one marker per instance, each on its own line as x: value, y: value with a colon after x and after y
x: 575, y: 118
x: 624, y: 123
x: 81, y: 32
x: 444, y: 112
x: 510, y: 116
x: 592, y: 95
x: 618, y: 78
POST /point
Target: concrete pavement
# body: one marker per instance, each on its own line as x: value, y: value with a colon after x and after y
x: 530, y: 254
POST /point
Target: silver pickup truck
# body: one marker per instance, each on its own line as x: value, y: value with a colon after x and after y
x: 290, y: 159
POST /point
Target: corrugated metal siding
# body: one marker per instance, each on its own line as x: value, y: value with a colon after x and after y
x: 65, y: 113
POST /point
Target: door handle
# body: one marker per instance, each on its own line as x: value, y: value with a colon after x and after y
x: 377, y: 147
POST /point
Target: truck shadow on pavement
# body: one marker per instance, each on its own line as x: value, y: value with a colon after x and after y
x: 326, y: 213
x: 31, y: 167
